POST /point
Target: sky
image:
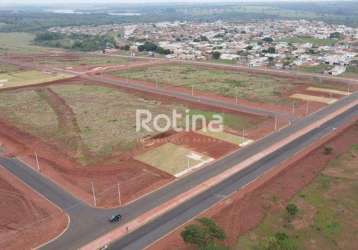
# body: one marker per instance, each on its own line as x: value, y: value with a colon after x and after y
x: 37, y: 2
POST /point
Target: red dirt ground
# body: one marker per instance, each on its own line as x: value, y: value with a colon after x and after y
x: 242, y: 212
x: 27, y: 220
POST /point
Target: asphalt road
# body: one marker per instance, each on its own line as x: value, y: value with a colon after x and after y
x: 89, y: 223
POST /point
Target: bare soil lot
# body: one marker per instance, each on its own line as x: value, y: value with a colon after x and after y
x: 27, y: 220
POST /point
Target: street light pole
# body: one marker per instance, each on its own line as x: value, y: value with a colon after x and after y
x: 94, y: 195
x: 37, y: 162
x: 119, y: 195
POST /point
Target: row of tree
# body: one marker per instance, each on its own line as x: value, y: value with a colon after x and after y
x: 75, y: 41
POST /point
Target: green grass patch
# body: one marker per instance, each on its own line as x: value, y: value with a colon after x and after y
x: 315, y: 69
x: 248, y: 86
x: 20, y: 43
x: 314, y: 41
x: 172, y: 158
x: 328, y: 212
x: 30, y: 77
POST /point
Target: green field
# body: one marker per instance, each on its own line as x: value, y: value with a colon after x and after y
x: 248, y: 86
x: 29, y: 77
x: 231, y: 121
x: 172, y: 158
x: 30, y: 112
x: 352, y: 71
x: 82, y: 59
x: 312, y: 40
x: 327, y: 213
x: 20, y: 43
x: 103, y: 119
x: 225, y: 136
x: 315, y: 69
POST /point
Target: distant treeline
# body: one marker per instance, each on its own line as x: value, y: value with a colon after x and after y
x: 33, y: 20
x: 75, y: 41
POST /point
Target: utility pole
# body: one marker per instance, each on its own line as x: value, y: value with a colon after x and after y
x: 276, y: 123
x: 188, y: 162
x: 119, y: 195
x: 94, y: 195
x: 243, y: 132
x: 37, y: 162
x: 192, y: 90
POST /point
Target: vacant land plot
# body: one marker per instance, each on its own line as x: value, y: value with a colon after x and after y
x: 27, y: 220
x: 227, y: 83
x: 30, y: 112
x: 228, y: 137
x: 312, y: 40
x: 327, y: 212
x: 28, y: 77
x: 85, y: 132
x: 107, y: 118
x: 321, y: 68
x: 173, y: 159
x: 329, y: 91
x: 312, y: 98
x: 72, y: 60
x: 20, y: 43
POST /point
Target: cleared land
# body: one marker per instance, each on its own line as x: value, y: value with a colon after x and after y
x: 327, y: 212
x: 315, y: 69
x: 27, y: 77
x: 173, y: 159
x: 227, y: 83
x: 27, y: 220
x: 103, y: 118
x: 228, y: 137
x: 313, y: 98
x: 329, y: 91
x: 85, y: 133
x: 72, y: 60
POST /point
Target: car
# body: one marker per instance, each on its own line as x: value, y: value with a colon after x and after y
x: 115, y: 218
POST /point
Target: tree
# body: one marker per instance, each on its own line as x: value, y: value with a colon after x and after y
x: 271, y: 50
x: 292, y: 209
x: 328, y: 150
x: 335, y: 35
x: 204, y: 234
x: 148, y: 46
x: 267, y: 40
x: 125, y: 47
x: 216, y: 55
